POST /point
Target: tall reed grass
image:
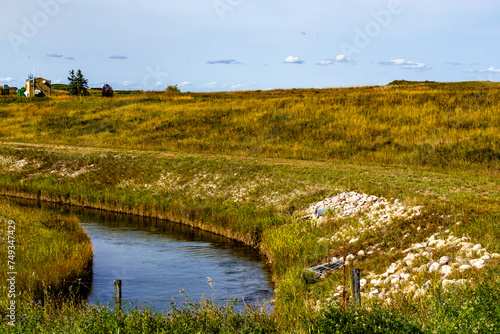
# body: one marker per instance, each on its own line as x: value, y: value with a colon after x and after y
x: 52, y: 256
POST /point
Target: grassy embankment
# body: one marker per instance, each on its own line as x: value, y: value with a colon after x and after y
x: 440, y: 125
x: 441, y: 142
x: 50, y: 256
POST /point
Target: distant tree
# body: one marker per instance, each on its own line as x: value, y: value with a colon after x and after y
x: 107, y: 91
x: 173, y: 89
x: 72, y: 82
x: 78, y: 85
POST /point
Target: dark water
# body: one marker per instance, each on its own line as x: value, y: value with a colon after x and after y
x: 156, y: 259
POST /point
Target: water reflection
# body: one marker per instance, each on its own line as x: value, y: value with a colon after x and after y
x: 156, y: 259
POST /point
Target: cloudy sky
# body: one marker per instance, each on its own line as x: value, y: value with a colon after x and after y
x: 221, y: 45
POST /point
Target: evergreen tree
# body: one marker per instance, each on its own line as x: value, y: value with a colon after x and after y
x: 72, y: 89
x: 78, y: 85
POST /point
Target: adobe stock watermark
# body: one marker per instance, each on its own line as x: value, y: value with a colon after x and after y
x: 154, y: 77
x: 224, y: 6
x: 32, y: 26
x: 380, y: 20
x: 11, y: 263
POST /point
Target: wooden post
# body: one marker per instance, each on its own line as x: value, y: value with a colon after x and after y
x: 343, y: 288
x: 118, y: 295
x: 328, y: 254
x: 356, y: 287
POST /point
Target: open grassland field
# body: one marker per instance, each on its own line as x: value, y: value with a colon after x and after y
x: 408, y: 174
x: 429, y: 124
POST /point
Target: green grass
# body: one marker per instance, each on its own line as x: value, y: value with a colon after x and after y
x: 259, y: 204
x: 190, y: 317
x: 51, y: 254
x: 354, y: 321
x: 472, y: 309
x: 245, y: 164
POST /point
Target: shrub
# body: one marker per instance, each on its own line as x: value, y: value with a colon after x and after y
x: 173, y: 89
x: 107, y: 91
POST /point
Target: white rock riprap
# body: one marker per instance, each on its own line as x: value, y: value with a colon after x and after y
x: 374, y: 213
x: 419, y: 270
x: 12, y: 164
x: 59, y: 168
x: 348, y: 204
x: 442, y: 259
x: 71, y: 172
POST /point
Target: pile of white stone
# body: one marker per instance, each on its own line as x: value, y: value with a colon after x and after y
x: 349, y: 204
x: 58, y: 168
x: 71, y: 172
x: 373, y: 212
x: 12, y: 164
x: 420, y: 269
x: 442, y: 259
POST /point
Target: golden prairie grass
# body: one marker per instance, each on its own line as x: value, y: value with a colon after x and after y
x: 51, y: 254
x: 440, y: 125
x: 221, y: 159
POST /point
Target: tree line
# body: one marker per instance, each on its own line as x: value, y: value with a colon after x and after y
x: 79, y: 85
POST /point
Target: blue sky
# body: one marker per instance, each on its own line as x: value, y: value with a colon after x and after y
x: 223, y: 45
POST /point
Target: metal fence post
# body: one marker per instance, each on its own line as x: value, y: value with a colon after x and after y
x: 356, y: 287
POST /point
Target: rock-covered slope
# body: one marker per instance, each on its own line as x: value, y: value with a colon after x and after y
x: 441, y: 259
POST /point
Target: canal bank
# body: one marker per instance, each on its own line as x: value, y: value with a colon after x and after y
x: 156, y: 259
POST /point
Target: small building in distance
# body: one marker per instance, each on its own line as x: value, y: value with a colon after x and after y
x: 6, y: 90
x: 38, y: 87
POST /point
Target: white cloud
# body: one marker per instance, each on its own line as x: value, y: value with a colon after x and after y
x: 293, y: 60
x: 223, y: 61
x: 493, y: 70
x: 399, y: 61
x: 159, y: 84
x: 57, y: 81
x: 238, y: 86
x: 125, y: 83
x: 413, y: 65
x: 326, y: 62
x: 7, y: 79
x: 489, y: 70
x: 403, y: 63
x: 338, y: 59
x: 210, y: 84
x: 184, y: 83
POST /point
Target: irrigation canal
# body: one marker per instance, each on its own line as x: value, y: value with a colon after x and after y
x: 156, y: 259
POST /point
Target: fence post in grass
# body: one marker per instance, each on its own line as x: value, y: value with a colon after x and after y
x: 356, y: 287
x: 118, y: 295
